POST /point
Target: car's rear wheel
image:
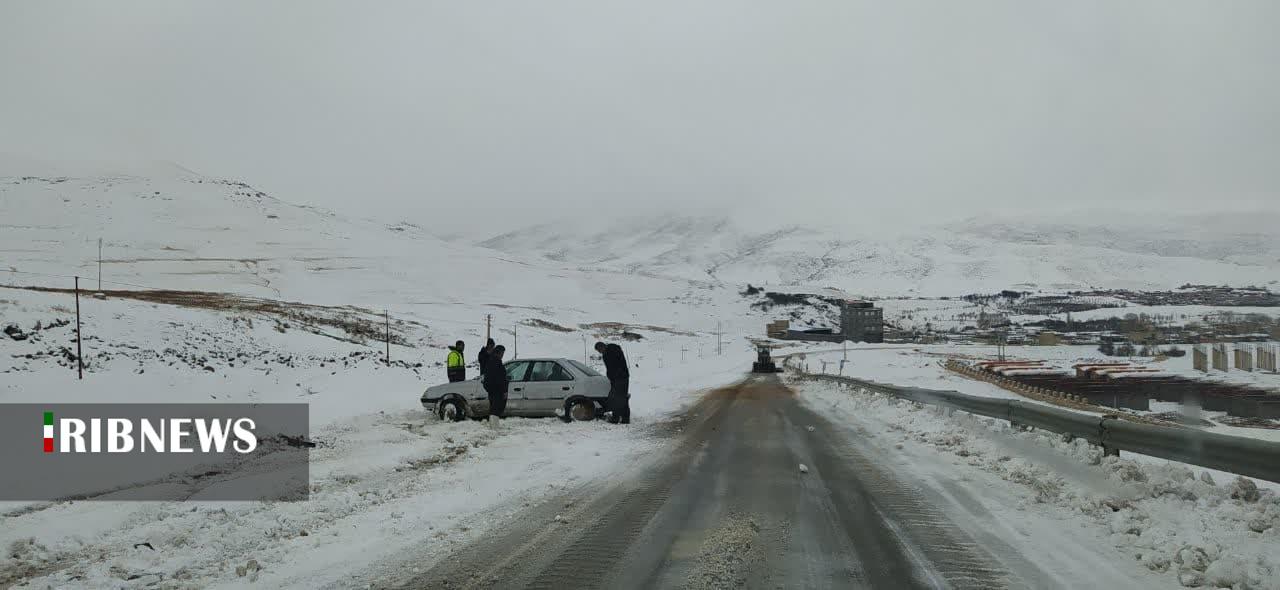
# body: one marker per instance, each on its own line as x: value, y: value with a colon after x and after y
x: 452, y: 411
x: 581, y: 410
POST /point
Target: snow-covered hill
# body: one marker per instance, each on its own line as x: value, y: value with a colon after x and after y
x: 163, y: 226
x: 217, y: 292
x: 972, y: 256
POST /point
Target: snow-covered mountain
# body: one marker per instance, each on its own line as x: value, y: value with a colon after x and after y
x: 165, y: 227
x: 970, y: 256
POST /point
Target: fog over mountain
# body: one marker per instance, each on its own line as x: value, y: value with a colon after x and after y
x: 483, y: 117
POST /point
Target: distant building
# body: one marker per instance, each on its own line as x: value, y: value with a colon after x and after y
x: 1047, y: 338
x: 861, y: 321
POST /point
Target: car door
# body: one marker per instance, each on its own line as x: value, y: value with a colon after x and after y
x: 517, y: 375
x: 549, y: 384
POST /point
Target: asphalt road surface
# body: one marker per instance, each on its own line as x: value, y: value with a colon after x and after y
x: 728, y: 507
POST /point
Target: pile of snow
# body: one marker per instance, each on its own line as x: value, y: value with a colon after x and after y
x: 1187, y: 525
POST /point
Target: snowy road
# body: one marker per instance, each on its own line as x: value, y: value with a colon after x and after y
x: 730, y: 506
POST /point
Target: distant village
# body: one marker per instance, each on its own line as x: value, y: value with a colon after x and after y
x: 1022, y: 318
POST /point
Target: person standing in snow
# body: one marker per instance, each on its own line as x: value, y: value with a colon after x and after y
x: 494, y: 379
x: 615, y: 366
x: 482, y: 357
x: 454, y: 366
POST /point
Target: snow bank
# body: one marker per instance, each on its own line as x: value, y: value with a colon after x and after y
x: 381, y: 485
x: 1184, y: 525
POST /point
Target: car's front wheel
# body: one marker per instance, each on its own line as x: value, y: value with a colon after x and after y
x: 581, y: 410
x: 451, y: 411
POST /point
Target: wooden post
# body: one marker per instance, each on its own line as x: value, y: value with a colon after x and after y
x: 386, y: 316
x: 488, y: 319
x: 99, y: 264
x: 515, y: 341
x: 79, y: 354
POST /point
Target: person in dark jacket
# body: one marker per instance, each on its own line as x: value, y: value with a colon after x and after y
x: 482, y: 357
x: 454, y: 365
x: 495, y: 382
x: 615, y: 368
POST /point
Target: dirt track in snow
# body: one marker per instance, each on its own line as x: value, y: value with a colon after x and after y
x: 729, y: 507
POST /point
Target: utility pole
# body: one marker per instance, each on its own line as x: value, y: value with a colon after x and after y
x: 488, y: 319
x: 386, y: 316
x: 586, y: 356
x: 79, y: 353
x: 845, y: 348
x: 99, y: 264
x: 719, y: 344
x: 515, y: 341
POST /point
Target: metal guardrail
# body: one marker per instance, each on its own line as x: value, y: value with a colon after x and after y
x: 1233, y: 454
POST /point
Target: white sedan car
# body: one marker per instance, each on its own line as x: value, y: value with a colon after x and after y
x: 539, y: 387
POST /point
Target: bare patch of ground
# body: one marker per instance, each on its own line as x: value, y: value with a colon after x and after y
x: 606, y: 329
x: 359, y: 324
x: 545, y: 325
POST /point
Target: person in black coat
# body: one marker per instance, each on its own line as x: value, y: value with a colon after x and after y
x: 494, y: 379
x: 482, y: 357
x: 615, y: 368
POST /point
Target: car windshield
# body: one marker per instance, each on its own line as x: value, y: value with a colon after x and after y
x: 585, y: 369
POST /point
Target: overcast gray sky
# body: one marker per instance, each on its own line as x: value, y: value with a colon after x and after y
x: 469, y: 112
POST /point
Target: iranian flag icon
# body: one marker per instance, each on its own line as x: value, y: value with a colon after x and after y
x: 48, y: 432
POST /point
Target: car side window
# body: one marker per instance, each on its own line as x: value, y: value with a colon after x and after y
x: 516, y: 371
x: 548, y: 371
x: 559, y: 373
x: 541, y: 371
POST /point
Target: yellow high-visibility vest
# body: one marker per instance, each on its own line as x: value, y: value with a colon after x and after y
x: 454, y: 360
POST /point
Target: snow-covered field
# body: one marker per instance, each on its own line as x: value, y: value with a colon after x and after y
x: 1062, y: 509
x: 383, y: 468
